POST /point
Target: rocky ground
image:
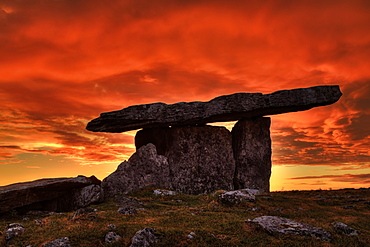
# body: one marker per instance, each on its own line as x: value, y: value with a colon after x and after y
x: 151, y: 217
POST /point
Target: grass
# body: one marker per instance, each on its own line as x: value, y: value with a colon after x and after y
x: 214, y: 224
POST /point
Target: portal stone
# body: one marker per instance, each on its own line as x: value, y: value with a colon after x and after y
x: 200, y: 157
x: 252, y: 153
x: 144, y: 168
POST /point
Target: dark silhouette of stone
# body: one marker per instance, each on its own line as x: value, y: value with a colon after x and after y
x: 279, y: 225
x: 54, y: 194
x: 200, y: 158
x: 252, y: 153
x: 144, y: 168
x: 223, y: 108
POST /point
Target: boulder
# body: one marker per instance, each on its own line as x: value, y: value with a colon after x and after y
x: 112, y: 237
x: 252, y: 154
x: 144, y: 168
x: 60, y: 242
x: 144, y: 238
x: 344, y: 229
x: 54, y: 194
x: 200, y: 158
x: 237, y: 197
x: 224, y: 108
x: 13, y: 230
x: 279, y: 225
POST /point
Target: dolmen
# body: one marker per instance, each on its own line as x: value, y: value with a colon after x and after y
x: 176, y: 149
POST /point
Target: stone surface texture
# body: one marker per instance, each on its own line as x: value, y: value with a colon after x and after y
x: 112, y: 237
x: 200, y: 158
x: 13, y: 230
x: 344, y: 229
x: 280, y: 225
x: 56, y: 194
x: 224, y: 108
x: 144, y: 168
x: 144, y: 238
x: 237, y: 197
x: 60, y: 242
x: 252, y: 153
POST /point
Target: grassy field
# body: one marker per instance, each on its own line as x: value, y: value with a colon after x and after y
x: 174, y: 217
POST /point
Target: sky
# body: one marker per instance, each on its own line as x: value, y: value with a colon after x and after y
x: 63, y: 62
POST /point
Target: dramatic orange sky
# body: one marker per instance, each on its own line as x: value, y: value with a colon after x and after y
x: 63, y: 62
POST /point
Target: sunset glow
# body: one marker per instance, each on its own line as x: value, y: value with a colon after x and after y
x: 63, y: 62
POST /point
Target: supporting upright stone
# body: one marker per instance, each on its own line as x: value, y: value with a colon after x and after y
x: 200, y: 158
x: 252, y: 153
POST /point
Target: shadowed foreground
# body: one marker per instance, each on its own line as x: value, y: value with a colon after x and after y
x: 193, y: 220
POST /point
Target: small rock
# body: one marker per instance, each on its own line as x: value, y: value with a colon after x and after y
x: 237, y: 196
x: 14, y: 229
x: 26, y: 219
x: 164, y: 192
x: 280, y: 225
x: 349, y: 207
x: 278, y: 209
x: 344, y: 229
x: 191, y: 235
x: 111, y: 226
x: 254, y: 209
x: 112, y: 237
x: 368, y: 202
x: 60, y: 242
x: 127, y: 210
x: 144, y: 238
x: 89, y: 212
x: 38, y: 222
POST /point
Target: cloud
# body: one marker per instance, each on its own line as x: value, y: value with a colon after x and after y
x: 64, y: 62
x: 346, y: 178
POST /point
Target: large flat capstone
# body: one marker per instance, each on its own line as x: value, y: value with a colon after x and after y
x: 224, y: 108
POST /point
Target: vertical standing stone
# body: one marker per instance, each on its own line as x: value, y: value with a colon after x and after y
x: 252, y: 153
x: 200, y: 157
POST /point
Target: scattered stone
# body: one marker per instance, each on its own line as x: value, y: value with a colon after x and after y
x: 349, y: 207
x: 52, y: 194
x: 38, y: 222
x: 127, y: 210
x: 191, y: 235
x: 224, y: 108
x: 60, y: 242
x: 344, y: 229
x: 164, y: 192
x: 237, y: 197
x: 13, y: 230
x: 278, y: 209
x: 254, y: 209
x: 26, y: 219
x: 252, y: 153
x: 144, y: 168
x: 368, y: 202
x: 279, y: 225
x: 111, y: 226
x: 200, y: 158
x: 112, y: 237
x: 144, y: 238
